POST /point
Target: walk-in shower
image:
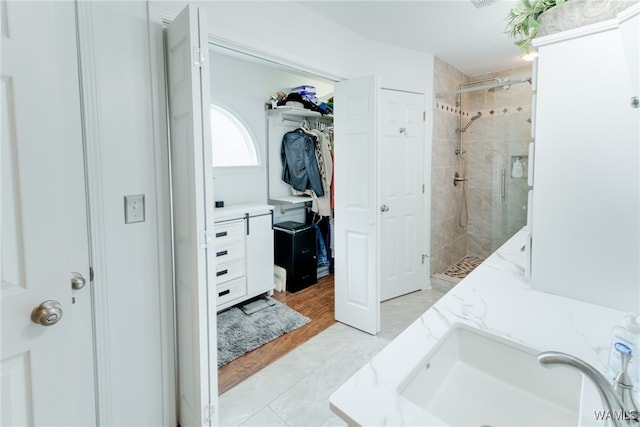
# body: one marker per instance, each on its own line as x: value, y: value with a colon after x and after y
x: 487, y: 193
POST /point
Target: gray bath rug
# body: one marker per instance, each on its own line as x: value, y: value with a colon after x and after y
x: 239, y: 333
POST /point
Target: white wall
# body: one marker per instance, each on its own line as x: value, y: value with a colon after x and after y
x: 123, y: 74
x: 290, y: 31
x: 132, y: 262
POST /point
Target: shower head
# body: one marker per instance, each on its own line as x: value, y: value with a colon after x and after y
x: 473, y: 118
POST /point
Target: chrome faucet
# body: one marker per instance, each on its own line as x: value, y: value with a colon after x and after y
x: 618, y: 400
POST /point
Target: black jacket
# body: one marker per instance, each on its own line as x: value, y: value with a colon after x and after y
x: 299, y: 162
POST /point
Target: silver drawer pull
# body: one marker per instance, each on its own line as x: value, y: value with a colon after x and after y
x: 223, y: 293
x: 221, y: 234
x: 221, y: 273
x: 222, y: 253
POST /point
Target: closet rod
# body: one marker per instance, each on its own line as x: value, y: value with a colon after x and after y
x: 284, y: 119
x: 283, y: 210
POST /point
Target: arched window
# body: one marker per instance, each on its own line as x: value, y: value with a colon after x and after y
x: 232, y: 143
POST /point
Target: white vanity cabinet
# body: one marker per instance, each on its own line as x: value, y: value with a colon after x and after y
x: 243, y: 241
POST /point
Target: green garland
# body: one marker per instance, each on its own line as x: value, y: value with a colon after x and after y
x: 522, y: 21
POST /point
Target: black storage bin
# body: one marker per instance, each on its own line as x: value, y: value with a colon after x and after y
x: 295, y: 251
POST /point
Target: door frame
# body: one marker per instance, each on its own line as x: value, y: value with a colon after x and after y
x: 251, y: 52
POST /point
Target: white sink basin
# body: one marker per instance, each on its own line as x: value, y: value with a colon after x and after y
x: 473, y: 379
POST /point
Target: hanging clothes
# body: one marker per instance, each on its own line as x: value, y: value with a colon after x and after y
x: 299, y: 162
x: 321, y: 204
x: 324, y: 153
x: 321, y: 248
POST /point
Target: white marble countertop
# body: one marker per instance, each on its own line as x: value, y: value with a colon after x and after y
x: 497, y: 299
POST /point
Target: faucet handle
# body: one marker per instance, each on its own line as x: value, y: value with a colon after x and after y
x: 623, y: 379
x: 623, y: 384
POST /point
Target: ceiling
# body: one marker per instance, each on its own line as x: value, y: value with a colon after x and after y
x: 469, y: 38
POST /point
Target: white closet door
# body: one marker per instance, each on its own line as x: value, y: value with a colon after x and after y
x: 192, y: 183
x: 357, y: 293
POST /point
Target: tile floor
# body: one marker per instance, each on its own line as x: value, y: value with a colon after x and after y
x: 294, y: 391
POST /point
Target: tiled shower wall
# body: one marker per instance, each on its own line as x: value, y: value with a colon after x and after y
x: 491, y: 142
x: 448, y: 239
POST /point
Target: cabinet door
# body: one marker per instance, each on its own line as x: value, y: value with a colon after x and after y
x: 260, y: 254
x: 586, y: 189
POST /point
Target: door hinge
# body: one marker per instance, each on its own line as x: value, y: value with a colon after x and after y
x: 198, y: 57
x: 205, y: 239
x: 424, y: 116
x: 208, y: 412
x: 91, y: 274
x: 424, y: 256
x: 423, y: 189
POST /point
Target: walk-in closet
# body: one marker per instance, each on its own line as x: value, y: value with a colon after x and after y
x: 285, y: 167
x: 273, y: 114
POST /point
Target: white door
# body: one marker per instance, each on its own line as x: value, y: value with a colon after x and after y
x: 192, y: 187
x: 47, y: 371
x: 401, y: 197
x: 357, y: 294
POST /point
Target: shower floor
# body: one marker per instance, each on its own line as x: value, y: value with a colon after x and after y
x: 459, y: 270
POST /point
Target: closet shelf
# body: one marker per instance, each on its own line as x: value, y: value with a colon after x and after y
x: 284, y: 110
x: 289, y: 200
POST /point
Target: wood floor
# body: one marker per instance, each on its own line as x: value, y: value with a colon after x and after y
x: 316, y: 302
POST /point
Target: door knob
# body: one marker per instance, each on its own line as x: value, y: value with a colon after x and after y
x: 77, y: 281
x: 48, y: 313
x: 384, y: 208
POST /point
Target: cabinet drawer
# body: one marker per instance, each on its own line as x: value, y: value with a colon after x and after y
x: 229, y: 251
x: 226, y: 231
x: 231, y: 290
x: 229, y: 271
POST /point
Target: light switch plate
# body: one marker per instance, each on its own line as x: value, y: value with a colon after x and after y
x: 134, y: 208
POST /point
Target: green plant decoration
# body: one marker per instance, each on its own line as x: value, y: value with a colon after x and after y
x: 522, y: 21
